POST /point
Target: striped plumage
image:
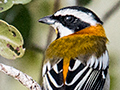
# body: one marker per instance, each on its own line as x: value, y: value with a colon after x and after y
x: 78, y: 59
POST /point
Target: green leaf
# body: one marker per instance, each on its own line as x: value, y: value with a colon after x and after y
x: 11, y: 41
x: 21, y: 1
x: 19, y: 17
x: 6, y: 4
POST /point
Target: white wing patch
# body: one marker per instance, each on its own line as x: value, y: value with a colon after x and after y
x: 53, y: 75
x: 79, y: 77
x: 55, y: 68
x: 46, y: 67
x: 80, y: 84
x: 53, y: 81
x: 46, y: 83
x: 106, y: 59
x: 86, y: 17
x: 102, y: 61
x: 76, y: 65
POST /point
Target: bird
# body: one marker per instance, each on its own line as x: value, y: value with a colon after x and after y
x: 78, y: 58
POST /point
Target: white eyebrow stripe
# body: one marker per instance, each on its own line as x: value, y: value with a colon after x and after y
x: 86, y: 17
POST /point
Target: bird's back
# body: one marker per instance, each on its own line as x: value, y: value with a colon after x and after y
x: 75, y: 62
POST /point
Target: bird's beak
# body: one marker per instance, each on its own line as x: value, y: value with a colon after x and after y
x: 47, y: 20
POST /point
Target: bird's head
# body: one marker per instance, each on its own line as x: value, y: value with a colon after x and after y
x: 71, y: 19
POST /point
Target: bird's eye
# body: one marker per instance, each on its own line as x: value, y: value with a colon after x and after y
x: 68, y: 19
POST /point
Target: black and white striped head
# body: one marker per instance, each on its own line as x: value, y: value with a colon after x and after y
x: 71, y: 19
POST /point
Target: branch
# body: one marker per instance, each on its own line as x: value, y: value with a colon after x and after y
x: 55, y: 8
x: 50, y: 33
x: 35, y: 48
x: 20, y: 76
x: 111, y: 11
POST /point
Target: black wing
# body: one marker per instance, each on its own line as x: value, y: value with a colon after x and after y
x: 84, y: 77
x: 91, y: 76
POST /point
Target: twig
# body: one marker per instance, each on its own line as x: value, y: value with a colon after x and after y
x: 35, y: 48
x: 56, y: 7
x: 20, y: 76
x: 50, y: 33
x: 111, y: 11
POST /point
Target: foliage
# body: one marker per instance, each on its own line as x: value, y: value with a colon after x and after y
x: 11, y: 41
x: 6, y: 4
x: 19, y: 16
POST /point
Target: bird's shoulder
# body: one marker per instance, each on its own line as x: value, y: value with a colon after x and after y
x: 76, y: 45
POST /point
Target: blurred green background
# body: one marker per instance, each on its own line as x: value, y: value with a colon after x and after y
x: 37, y: 36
